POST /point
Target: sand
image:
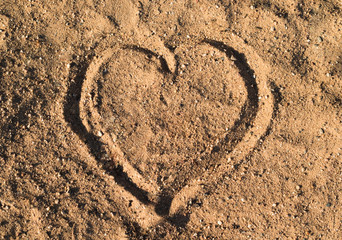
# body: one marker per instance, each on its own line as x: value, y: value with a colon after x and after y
x: 189, y: 119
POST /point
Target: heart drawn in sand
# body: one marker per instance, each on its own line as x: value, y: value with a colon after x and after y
x: 170, y: 131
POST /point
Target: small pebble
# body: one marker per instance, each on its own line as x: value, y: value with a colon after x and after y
x: 99, y: 134
x: 232, y: 58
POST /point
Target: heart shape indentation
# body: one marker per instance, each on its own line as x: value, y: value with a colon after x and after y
x: 163, y: 129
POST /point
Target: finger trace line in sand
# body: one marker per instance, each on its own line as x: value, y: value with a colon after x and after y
x: 240, y: 140
x: 139, y: 209
x: 253, y: 122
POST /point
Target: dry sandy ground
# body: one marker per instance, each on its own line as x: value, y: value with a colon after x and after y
x: 188, y: 119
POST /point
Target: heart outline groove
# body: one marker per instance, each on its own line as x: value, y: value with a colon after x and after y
x: 149, y: 205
